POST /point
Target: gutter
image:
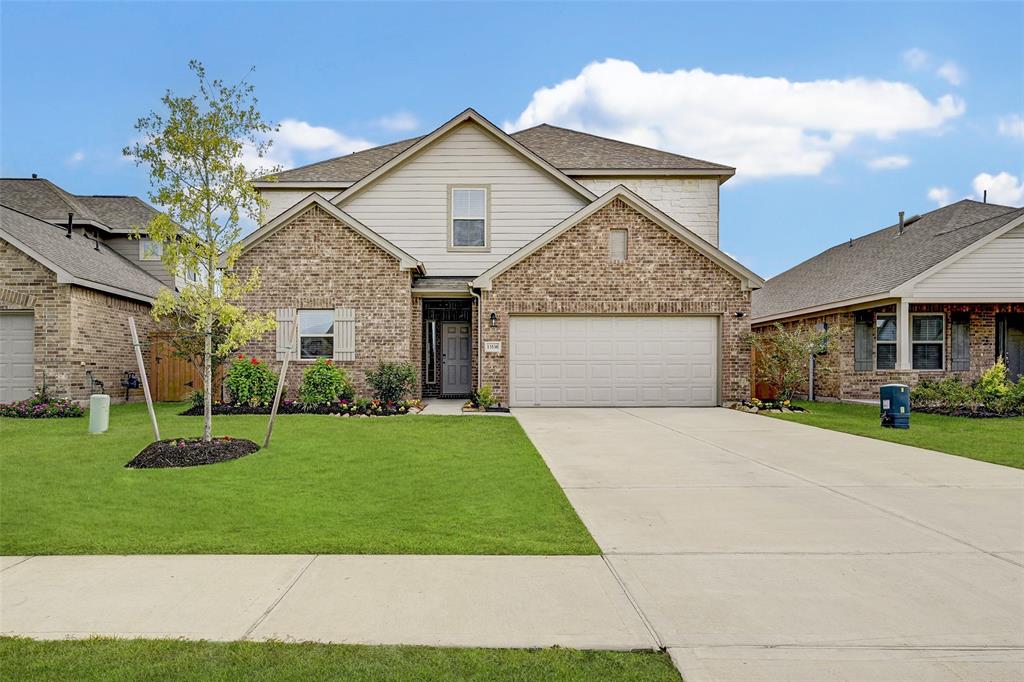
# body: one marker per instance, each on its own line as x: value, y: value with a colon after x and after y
x: 479, y: 337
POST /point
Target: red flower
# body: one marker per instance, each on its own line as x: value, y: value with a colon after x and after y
x: 241, y: 357
x: 330, y: 362
x: 255, y: 361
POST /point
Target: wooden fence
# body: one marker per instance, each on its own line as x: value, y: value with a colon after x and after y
x: 173, y: 378
x: 758, y: 390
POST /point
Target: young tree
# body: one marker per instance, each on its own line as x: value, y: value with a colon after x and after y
x: 782, y: 355
x: 193, y: 149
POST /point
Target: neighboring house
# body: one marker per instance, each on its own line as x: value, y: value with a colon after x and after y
x: 936, y: 295
x: 557, y: 267
x: 66, y: 292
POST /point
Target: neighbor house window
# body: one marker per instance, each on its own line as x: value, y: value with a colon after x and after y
x: 927, y: 340
x: 618, y: 241
x: 316, y: 334
x: 469, y: 218
x: 885, y: 342
x: 150, y: 249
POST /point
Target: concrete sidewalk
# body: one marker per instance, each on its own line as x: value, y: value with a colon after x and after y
x: 463, y: 601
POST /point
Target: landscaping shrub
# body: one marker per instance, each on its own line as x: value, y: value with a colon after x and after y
x: 195, y: 399
x: 251, y: 382
x: 324, y: 382
x: 992, y: 394
x: 41, y: 406
x: 391, y: 381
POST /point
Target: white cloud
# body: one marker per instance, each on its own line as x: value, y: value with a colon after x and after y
x: 298, y: 142
x: 1012, y: 125
x: 401, y: 121
x: 76, y: 158
x: 763, y: 126
x: 942, y: 196
x: 1003, y: 188
x: 916, y: 58
x: 889, y: 162
x: 951, y: 72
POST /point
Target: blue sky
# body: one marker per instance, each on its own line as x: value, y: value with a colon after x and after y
x: 836, y: 115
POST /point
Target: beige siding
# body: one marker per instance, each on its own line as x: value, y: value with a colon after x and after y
x: 992, y: 273
x: 692, y: 202
x: 409, y: 206
x: 129, y: 248
x: 280, y: 200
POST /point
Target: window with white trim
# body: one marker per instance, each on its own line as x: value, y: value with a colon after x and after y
x: 885, y: 342
x: 316, y: 334
x: 927, y: 340
x: 150, y: 249
x: 618, y: 244
x: 469, y: 218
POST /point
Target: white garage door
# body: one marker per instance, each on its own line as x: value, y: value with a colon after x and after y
x: 15, y: 356
x: 608, y: 360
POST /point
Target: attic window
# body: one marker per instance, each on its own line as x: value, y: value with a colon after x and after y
x: 618, y: 241
x: 150, y: 249
x: 469, y: 218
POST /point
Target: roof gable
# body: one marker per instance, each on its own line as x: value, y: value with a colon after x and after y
x: 467, y: 116
x: 404, y: 259
x: 748, y: 277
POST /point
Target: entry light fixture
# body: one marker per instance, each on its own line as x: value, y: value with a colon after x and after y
x: 494, y: 319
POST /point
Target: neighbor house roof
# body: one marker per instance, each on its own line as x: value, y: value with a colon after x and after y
x: 41, y: 198
x: 877, y: 263
x: 76, y: 260
x: 567, y: 150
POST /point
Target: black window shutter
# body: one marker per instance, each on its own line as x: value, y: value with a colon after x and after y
x: 862, y: 342
x: 960, y: 326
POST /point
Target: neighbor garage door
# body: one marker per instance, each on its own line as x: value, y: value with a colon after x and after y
x: 613, y: 360
x: 15, y: 356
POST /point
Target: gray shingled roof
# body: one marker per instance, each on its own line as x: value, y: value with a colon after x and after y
x: 441, y: 283
x: 562, y: 148
x: 881, y: 261
x: 77, y: 256
x: 41, y: 198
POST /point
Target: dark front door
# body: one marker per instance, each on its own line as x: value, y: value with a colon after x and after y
x: 456, y: 365
x: 1011, y: 336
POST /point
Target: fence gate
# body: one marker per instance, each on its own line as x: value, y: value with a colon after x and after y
x: 173, y: 378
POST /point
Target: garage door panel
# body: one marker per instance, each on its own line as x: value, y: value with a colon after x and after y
x: 16, y: 356
x: 613, y: 360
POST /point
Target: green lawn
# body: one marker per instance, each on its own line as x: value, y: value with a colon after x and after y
x: 390, y: 485
x: 1000, y: 441
x: 121, y: 659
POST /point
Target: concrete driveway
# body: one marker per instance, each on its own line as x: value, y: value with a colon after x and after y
x: 759, y: 549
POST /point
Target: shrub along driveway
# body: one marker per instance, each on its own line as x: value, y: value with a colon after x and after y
x: 390, y: 485
x: 762, y: 549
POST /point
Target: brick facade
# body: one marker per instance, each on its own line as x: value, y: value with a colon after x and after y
x: 317, y: 262
x: 662, y: 275
x: 75, y: 329
x: 846, y: 383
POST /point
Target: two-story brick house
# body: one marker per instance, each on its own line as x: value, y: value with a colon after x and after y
x: 557, y: 267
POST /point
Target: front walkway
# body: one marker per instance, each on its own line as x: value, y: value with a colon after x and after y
x: 759, y: 549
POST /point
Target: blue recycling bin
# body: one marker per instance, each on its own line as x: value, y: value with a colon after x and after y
x: 894, y: 400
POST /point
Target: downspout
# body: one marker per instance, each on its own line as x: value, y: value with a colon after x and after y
x: 479, y: 338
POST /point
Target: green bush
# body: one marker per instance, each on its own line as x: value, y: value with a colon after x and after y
x: 991, y: 392
x: 324, y: 382
x: 391, y: 381
x: 250, y: 382
x: 196, y: 399
x: 485, y: 397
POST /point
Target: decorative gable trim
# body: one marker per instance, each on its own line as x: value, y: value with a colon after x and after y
x: 749, y: 279
x: 467, y: 116
x: 406, y: 262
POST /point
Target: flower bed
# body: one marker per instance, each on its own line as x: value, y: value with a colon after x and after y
x: 41, y: 406
x: 341, y: 408
x: 755, y: 406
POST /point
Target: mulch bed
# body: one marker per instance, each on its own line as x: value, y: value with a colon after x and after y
x: 190, y: 452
